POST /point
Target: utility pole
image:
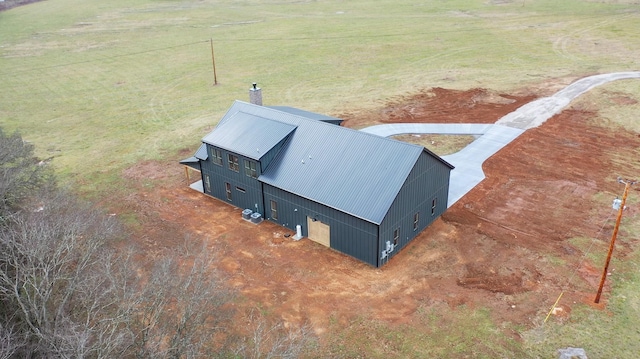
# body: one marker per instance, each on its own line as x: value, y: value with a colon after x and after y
x: 213, y: 60
x: 627, y: 185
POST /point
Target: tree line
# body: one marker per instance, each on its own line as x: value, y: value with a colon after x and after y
x: 68, y: 290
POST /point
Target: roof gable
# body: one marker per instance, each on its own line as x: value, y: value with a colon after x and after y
x: 351, y: 171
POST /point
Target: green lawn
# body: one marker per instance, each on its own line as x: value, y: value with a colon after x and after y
x: 111, y: 83
x: 100, y: 85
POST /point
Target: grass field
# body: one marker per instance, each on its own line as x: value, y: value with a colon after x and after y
x: 98, y: 86
x: 113, y: 83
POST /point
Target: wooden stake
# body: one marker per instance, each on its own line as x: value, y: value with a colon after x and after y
x: 613, y: 239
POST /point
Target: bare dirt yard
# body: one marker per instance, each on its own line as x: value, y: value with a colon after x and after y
x: 504, y: 246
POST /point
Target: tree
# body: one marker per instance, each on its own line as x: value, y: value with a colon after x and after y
x: 51, y: 258
x: 21, y: 174
x: 265, y: 341
x: 180, y: 306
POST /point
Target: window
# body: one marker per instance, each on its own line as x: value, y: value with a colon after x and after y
x: 274, y: 210
x: 207, y: 183
x: 434, y: 203
x: 233, y: 163
x: 250, y: 169
x: 227, y: 187
x: 396, y: 236
x: 216, y: 156
x: 240, y: 189
x: 416, y: 219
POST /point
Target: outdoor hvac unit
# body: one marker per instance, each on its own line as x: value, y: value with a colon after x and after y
x: 256, y: 217
x: 246, y: 214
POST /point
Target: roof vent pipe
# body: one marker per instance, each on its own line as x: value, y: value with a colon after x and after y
x: 255, y: 95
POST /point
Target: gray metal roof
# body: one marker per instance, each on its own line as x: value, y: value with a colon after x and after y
x: 202, y: 153
x: 351, y: 171
x: 307, y: 114
x: 194, y: 161
x: 248, y: 135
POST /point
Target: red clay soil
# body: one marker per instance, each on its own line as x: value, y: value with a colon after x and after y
x: 503, y: 246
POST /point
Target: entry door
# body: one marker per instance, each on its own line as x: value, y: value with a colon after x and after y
x: 319, y: 232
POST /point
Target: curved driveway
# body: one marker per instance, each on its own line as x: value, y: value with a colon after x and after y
x: 491, y: 138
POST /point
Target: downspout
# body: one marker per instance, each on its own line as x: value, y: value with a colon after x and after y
x: 264, y: 203
x: 379, y: 260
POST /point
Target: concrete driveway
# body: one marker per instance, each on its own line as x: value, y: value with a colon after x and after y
x: 491, y: 138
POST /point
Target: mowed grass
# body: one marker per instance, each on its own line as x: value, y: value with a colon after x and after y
x: 99, y: 86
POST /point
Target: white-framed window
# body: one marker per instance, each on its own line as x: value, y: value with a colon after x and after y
x: 250, y: 169
x: 207, y: 183
x: 227, y: 187
x: 396, y: 236
x: 274, y: 210
x: 233, y: 162
x: 216, y: 156
x: 416, y: 220
x: 434, y: 204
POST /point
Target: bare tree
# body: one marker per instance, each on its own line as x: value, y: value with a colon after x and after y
x: 11, y: 340
x: 269, y: 341
x: 179, y: 307
x: 50, y: 254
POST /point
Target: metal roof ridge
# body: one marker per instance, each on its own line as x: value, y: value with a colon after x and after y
x: 249, y: 105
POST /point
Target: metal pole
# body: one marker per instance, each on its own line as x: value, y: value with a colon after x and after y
x: 613, y: 239
x: 213, y: 60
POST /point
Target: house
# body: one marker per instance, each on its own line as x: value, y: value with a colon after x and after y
x: 360, y: 194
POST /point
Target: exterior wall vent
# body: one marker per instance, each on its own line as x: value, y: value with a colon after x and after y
x: 255, y: 95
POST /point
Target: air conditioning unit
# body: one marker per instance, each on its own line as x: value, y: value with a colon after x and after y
x: 246, y: 214
x: 256, y: 217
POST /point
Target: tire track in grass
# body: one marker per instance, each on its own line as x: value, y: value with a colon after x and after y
x: 157, y: 103
x: 561, y: 45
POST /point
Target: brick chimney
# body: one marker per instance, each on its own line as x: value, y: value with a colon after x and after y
x: 255, y: 95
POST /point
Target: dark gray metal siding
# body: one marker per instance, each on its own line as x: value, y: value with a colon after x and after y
x: 428, y: 180
x: 349, y: 235
x: 218, y: 175
x: 273, y: 152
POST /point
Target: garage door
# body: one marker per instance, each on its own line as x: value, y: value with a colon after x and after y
x: 319, y: 232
